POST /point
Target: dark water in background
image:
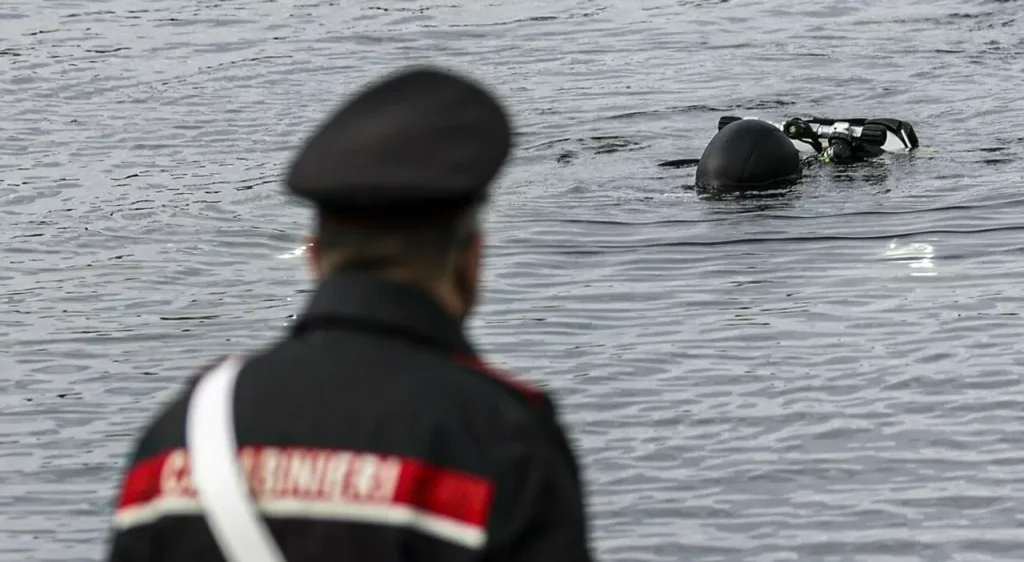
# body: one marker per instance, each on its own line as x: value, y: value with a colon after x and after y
x: 747, y: 380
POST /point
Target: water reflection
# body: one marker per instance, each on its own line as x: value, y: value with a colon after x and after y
x: 919, y: 256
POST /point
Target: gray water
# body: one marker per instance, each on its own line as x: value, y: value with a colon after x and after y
x: 831, y: 375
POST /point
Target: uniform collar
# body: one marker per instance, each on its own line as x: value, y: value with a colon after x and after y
x: 372, y: 303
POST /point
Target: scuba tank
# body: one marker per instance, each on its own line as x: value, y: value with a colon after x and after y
x: 844, y: 140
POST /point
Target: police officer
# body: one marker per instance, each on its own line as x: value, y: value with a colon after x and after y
x: 373, y: 431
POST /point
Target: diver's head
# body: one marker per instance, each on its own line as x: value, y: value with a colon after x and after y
x: 748, y: 155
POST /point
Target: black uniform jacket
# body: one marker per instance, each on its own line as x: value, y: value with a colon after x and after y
x: 373, y: 433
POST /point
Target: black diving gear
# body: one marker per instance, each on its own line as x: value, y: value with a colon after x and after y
x: 752, y: 154
x: 845, y: 140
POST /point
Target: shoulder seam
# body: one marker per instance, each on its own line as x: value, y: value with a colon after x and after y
x: 533, y: 395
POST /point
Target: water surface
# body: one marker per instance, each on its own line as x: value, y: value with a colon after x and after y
x: 831, y: 375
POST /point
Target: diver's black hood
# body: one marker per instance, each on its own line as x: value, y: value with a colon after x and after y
x: 748, y: 154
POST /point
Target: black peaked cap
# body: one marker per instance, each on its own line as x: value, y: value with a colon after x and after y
x: 421, y: 138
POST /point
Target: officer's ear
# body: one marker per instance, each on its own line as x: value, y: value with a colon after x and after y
x: 474, y: 256
x: 313, y: 256
x: 466, y: 276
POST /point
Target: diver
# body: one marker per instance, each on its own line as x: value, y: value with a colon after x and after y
x: 749, y: 154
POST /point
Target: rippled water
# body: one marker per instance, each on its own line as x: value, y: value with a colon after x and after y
x: 830, y: 375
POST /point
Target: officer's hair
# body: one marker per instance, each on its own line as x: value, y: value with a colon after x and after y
x: 423, y: 249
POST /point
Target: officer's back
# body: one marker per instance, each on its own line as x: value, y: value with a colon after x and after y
x: 373, y: 431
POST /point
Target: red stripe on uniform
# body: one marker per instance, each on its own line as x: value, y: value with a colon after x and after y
x: 327, y: 480
x: 445, y: 492
x: 532, y: 394
x: 142, y: 482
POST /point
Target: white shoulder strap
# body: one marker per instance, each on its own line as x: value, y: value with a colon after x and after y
x: 221, y: 484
